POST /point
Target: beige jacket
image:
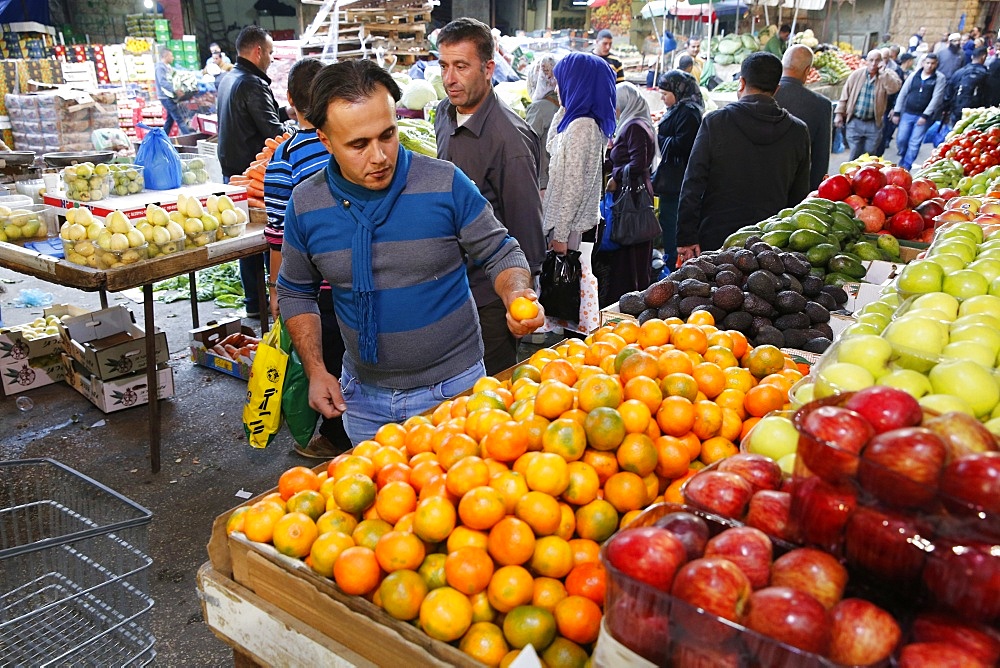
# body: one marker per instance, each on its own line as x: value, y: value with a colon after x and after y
x: 887, y: 84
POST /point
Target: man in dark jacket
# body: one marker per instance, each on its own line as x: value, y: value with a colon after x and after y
x: 811, y: 108
x: 750, y: 160
x: 952, y: 57
x: 967, y: 87
x: 920, y: 101
x: 248, y: 115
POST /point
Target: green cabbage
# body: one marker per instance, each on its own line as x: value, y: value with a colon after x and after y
x: 438, y: 84
x: 418, y: 95
x: 730, y: 45
x: 750, y: 42
x: 723, y: 59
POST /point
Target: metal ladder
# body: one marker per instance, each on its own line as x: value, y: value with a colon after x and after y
x: 213, y: 26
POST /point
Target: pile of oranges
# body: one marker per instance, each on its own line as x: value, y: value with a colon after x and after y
x: 482, y: 522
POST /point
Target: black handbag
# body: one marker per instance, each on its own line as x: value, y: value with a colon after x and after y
x: 634, y: 218
x: 560, y: 285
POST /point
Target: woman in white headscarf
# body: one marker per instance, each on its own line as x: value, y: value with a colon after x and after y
x: 633, y: 146
x: 544, y: 105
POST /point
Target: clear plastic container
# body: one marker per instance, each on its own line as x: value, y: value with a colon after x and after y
x: 82, y: 252
x: 126, y: 180
x: 28, y: 223
x: 92, y: 188
x: 202, y: 238
x: 167, y: 248
x: 111, y: 259
x: 233, y: 231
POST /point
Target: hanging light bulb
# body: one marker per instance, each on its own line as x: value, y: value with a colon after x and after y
x: 148, y: 4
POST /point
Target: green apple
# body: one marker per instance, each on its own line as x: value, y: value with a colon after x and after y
x: 963, y: 247
x: 774, y: 436
x: 981, y: 304
x: 969, y: 229
x: 944, y: 403
x: 987, y: 266
x: 787, y: 464
x: 969, y: 350
x: 940, y: 301
x: 877, y: 306
x: 877, y: 320
x: 994, y: 426
x: 981, y: 334
x: 918, y: 341
x: 965, y: 283
x: 803, y: 394
x: 948, y: 261
x: 971, y: 382
x: 909, y: 380
x: 868, y: 351
x: 859, y: 329
x: 977, y: 319
x: 920, y: 276
x: 842, y: 377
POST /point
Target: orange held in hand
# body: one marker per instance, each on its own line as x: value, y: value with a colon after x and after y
x: 523, y: 308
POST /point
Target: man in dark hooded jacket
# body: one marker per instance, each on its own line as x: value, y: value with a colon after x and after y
x: 968, y: 87
x: 750, y: 160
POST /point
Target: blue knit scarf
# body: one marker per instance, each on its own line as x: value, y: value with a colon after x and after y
x: 379, y: 208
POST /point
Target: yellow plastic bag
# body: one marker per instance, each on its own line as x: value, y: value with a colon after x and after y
x: 262, y: 410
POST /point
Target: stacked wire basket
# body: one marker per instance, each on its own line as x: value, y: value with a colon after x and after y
x: 74, y: 559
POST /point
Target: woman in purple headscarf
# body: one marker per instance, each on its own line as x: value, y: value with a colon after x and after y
x: 577, y: 139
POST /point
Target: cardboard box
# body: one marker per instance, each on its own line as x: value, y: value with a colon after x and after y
x: 108, y: 344
x: 118, y: 394
x: 203, y: 338
x: 610, y: 315
x: 16, y: 349
x: 28, y: 374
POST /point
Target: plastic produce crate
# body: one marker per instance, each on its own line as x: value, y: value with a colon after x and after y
x: 74, y: 557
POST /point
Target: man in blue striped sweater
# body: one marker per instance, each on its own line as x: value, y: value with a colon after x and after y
x: 389, y: 230
x: 292, y: 163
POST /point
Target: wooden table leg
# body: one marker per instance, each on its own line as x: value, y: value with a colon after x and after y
x: 193, y: 285
x: 263, y: 296
x: 152, y: 378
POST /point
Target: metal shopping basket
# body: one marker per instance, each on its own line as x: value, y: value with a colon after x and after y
x: 74, y: 563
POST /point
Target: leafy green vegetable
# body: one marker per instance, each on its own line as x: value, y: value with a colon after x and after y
x: 221, y: 283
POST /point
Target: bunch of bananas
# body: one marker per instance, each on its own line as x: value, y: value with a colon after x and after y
x: 136, y: 45
x: 831, y: 67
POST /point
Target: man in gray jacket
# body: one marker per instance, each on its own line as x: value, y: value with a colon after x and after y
x: 809, y: 107
x: 917, y: 106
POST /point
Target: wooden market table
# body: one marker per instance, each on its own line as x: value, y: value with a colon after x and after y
x: 144, y: 274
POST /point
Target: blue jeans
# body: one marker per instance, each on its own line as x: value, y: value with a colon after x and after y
x: 862, y: 136
x: 369, y: 406
x: 173, y: 116
x: 668, y: 225
x: 910, y: 137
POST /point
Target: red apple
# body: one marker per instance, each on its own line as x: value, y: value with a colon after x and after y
x: 648, y: 554
x: 966, y: 579
x: 982, y: 642
x: 637, y: 623
x: 760, y: 471
x: 812, y: 571
x: 836, y: 188
x: 867, y: 181
x: 947, y: 193
x: 901, y: 468
x: 922, y: 190
x: 820, y: 511
x: 748, y: 548
x: 964, y: 434
x: 953, y: 215
x: 718, y: 587
x: 789, y: 616
x: 696, y: 655
x: 886, y: 547
x: 873, y: 218
x: 897, y: 176
x: 929, y: 210
x: 886, y: 408
x: 861, y: 633
x: 971, y: 484
x: 856, y: 202
x: 723, y: 493
x: 769, y: 511
x: 830, y: 439
x: 907, y: 224
x: 690, y: 529
x: 937, y: 655
x: 926, y: 236
x: 891, y: 199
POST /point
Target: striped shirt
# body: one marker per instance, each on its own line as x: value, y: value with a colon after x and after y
x: 864, y: 108
x: 428, y: 327
x: 293, y: 162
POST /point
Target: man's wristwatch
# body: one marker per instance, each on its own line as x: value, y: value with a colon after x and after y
x: 270, y: 284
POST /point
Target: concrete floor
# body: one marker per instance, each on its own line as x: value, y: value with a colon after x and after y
x: 206, y: 459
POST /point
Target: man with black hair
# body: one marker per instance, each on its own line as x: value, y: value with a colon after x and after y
x: 389, y: 230
x: 967, y: 88
x: 691, y: 50
x: 248, y: 115
x: 778, y: 44
x: 500, y: 152
x: 719, y: 193
x: 808, y: 106
x: 602, y: 49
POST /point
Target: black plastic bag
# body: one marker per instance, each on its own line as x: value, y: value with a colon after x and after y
x: 560, y: 284
x: 633, y: 214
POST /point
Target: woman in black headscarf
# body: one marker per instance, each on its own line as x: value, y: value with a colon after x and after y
x: 676, y: 132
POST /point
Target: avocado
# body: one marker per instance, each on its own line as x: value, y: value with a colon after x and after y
x: 811, y: 285
x: 802, y: 240
x: 746, y: 261
x: 757, y: 305
x: 751, y: 241
x: 763, y: 284
x: 787, y: 301
x: 824, y: 329
x: 826, y: 300
x: 692, y: 287
x: 817, y: 345
x: 762, y: 247
x: 844, y: 208
x: 759, y: 322
x: 771, y: 261
x: 718, y: 315
x: 728, y: 297
x: 657, y: 294
x: 727, y: 278
x: 631, y: 303
x: 648, y: 314
x: 837, y: 279
x: 837, y: 293
x: 688, y: 270
x: 808, y: 221
x: 792, y: 321
x: 669, y: 310
x: 769, y: 336
x: 844, y: 220
x: 789, y: 282
x: 795, y: 264
x: 706, y: 266
x: 845, y: 264
x: 867, y: 251
x: 821, y: 254
x: 785, y: 213
x: 724, y: 257
x: 778, y: 226
x: 741, y: 321
x: 689, y: 304
x: 777, y: 238
x: 795, y: 338
x: 736, y: 239
x: 816, y: 312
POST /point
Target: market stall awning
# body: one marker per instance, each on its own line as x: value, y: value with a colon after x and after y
x: 678, y: 8
x: 804, y: 5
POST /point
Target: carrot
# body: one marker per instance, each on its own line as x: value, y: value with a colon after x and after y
x: 262, y: 156
x: 257, y: 174
x: 255, y: 203
x: 271, y: 143
x: 238, y: 180
x: 221, y: 352
x: 233, y: 351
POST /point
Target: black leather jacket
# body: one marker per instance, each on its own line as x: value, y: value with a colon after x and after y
x: 248, y: 114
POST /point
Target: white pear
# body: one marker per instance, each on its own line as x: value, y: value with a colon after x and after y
x: 210, y: 222
x: 117, y: 222
x: 229, y: 217
x: 146, y: 230
x: 194, y: 208
x: 75, y: 232
x: 225, y: 203
x: 241, y: 215
x: 83, y: 216
x: 193, y: 226
x: 177, y: 216
x: 104, y: 240
x: 161, y: 235
x: 94, y: 229
x: 85, y: 248
x: 182, y: 201
x: 212, y: 203
x: 119, y: 242
x: 135, y: 238
x: 176, y: 231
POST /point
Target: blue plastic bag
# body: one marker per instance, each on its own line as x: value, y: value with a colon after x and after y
x: 606, y: 245
x: 936, y: 133
x: 669, y: 41
x: 159, y: 157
